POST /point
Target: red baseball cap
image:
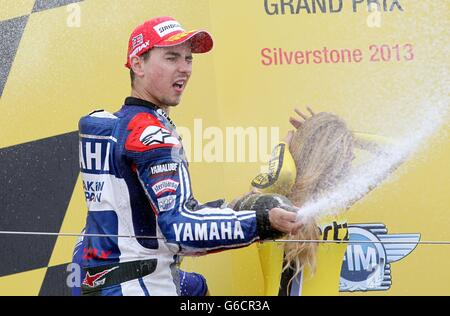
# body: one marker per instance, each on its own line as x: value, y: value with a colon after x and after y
x: 164, y: 32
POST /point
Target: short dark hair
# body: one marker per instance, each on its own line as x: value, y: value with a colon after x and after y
x: 145, y: 55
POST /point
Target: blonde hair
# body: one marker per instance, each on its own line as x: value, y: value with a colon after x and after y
x: 323, y: 150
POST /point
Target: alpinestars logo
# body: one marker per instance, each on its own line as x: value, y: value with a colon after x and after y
x: 367, y: 265
x: 155, y: 135
x: 94, y: 280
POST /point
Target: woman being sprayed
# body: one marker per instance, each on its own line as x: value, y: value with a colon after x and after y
x: 322, y: 148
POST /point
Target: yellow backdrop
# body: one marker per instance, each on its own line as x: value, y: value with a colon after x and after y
x: 63, y: 70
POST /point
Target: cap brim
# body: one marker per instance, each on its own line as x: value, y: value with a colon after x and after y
x: 202, y: 41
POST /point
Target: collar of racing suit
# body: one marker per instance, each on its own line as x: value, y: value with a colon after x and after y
x: 150, y: 105
x: 141, y: 102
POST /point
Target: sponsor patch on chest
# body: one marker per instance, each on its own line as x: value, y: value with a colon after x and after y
x: 166, y: 185
x: 166, y: 203
x: 171, y: 167
x: 155, y: 135
x: 148, y: 133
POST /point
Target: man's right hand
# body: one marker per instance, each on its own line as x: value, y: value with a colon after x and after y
x: 284, y: 221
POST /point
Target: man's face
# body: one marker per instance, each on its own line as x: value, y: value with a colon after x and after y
x: 167, y: 72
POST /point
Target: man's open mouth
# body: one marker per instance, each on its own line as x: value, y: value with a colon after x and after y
x: 179, y: 84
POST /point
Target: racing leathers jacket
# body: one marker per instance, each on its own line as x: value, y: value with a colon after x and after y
x: 136, y: 183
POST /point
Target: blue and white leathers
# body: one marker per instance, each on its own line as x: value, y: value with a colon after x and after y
x: 136, y: 183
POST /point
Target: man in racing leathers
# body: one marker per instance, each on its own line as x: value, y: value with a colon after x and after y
x: 136, y: 181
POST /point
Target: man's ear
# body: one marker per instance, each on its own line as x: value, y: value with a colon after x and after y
x: 137, y: 65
